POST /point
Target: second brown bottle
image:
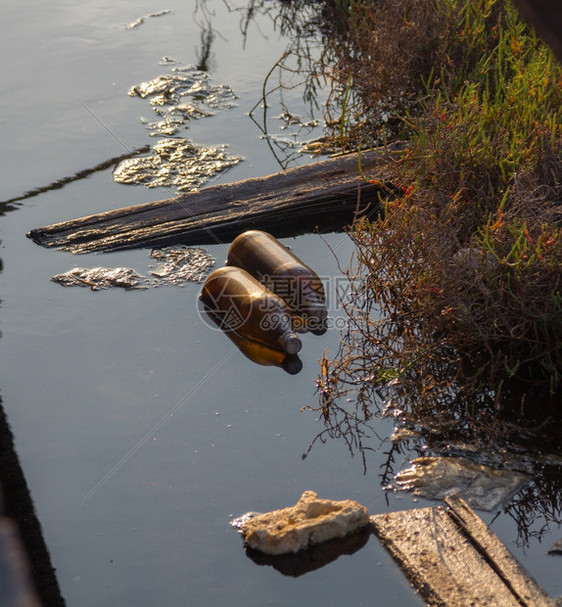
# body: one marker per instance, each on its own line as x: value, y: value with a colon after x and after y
x: 277, y: 268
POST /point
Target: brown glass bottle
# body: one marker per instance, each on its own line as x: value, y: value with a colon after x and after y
x: 242, y: 304
x: 276, y: 267
x: 258, y: 352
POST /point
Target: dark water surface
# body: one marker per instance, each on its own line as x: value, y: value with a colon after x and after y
x: 140, y: 430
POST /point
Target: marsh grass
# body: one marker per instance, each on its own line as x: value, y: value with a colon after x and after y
x: 462, y: 271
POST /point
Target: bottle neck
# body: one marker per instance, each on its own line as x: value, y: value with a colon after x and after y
x: 290, y: 342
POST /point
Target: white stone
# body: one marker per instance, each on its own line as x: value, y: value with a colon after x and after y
x: 310, y: 521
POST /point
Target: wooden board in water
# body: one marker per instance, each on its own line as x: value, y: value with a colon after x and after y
x: 325, y: 195
x: 453, y: 559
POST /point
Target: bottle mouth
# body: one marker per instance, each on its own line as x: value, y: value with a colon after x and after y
x: 290, y: 343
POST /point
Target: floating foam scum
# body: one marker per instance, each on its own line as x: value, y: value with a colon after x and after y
x: 175, y: 163
x: 141, y: 20
x: 176, y: 266
x: 184, y: 94
x: 176, y: 98
x: 100, y: 278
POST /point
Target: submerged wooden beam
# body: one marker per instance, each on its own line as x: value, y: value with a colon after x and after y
x: 452, y: 557
x: 17, y: 509
x: 324, y: 195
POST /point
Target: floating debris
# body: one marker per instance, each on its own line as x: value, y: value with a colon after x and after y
x: 175, y: 163
x: 100, y: 278
x: 184, y: 94
x: 481, y: 486
x: 434, y: 437
x: 175, y: 119
x: 168, y: 126
x: 314, y: 557
x: 320, y: 146
x: 177, y: 265
x: 294, y: 119
x: 141, y: 20
x: 190, y: 110
x: 166, y: 88
x: 309, y: 522
x: 176, y: 98
x: 304, y: 537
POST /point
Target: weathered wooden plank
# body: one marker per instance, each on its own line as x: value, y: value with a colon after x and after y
x: 442, y: 565
x: 323, y: 195
x: 456, y: 564
x: 521, y: 584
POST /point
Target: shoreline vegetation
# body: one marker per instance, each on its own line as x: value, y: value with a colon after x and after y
x: 454, y: 308
x: 455, y: 289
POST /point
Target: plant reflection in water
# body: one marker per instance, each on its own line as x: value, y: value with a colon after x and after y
x: 435, y: 417
x: 303, y: 67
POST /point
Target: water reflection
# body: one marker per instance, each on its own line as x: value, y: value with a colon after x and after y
x: 204, y: 54
x: 60, y: 183
x: 516, y: 433
x: 300, y: 68
x: 315, y: 557
x: 288, y: 146
x: 256, y: 352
